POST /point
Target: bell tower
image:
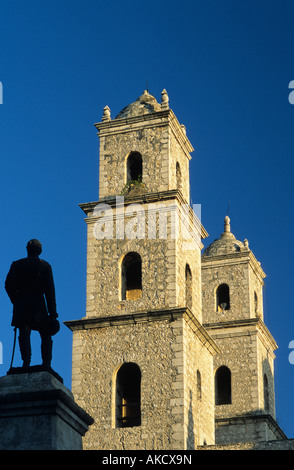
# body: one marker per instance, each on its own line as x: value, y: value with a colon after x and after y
x: 232, y: 286
x: 142, y: 361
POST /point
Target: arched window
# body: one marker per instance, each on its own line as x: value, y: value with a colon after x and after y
x: 255, y: 304
x: 199, y: 392
x: 265, y: 393
x: 178, y: 176
x: 188, y: 283
x: 222, y: 298
x: 223, y: 386
x: 131, y: 277
x: 134, y: 167
x: 128, y: 396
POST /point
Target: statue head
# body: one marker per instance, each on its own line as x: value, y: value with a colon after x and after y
x: 34, y: 248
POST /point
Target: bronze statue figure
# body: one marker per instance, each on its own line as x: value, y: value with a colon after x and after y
x: 30, y: 287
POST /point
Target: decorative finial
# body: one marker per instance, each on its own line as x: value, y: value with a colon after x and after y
x: 164, y: 99
x: 246, y: 243
x: 106, y: 114
x: 227, y: 224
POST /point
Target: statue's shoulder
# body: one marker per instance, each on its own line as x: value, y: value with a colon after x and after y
x: 44, y: 264
x: 19, y: 263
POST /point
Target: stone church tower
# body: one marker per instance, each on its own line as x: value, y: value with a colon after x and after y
x: 142, y: 361
x: 173, y: 352
x: 232, y: 285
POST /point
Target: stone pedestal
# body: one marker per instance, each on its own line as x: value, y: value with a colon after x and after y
x: 37, y: 412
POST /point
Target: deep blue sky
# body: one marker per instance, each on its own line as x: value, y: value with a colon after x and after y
x: 226, y: 66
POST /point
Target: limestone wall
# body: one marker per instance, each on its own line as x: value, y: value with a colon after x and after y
x: 169, y: 349
x: 235, y: 275
x: 158, y: 138
x: 164, y: 256
x: 199, y: 391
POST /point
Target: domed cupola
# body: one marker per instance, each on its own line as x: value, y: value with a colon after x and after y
x: 145, y: 104
x: 226, y: 243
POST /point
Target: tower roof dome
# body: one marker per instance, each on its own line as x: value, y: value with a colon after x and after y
x: 226, y: 243
x: 145, y: 104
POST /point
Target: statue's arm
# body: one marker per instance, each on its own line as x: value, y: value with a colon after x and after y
x: 50, y: 293
x: 11, y: 283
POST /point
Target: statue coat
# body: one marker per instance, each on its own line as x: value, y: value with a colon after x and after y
x: 30, y: 287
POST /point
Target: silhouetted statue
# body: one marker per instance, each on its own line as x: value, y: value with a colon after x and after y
x: 30, y: 287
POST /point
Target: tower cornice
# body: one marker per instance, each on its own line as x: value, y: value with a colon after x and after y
x: 241, y: 327
x: 170, y: 314
x: 156, y: 119
x: 147, y: 198
x: 245, y: 256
